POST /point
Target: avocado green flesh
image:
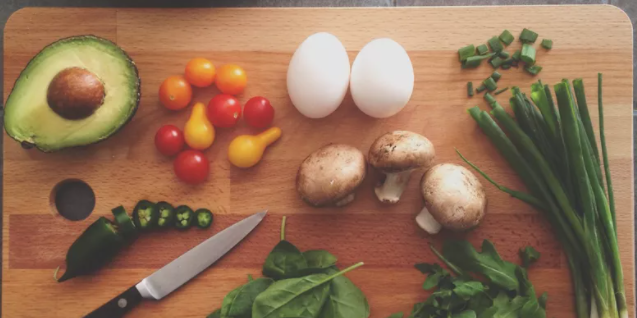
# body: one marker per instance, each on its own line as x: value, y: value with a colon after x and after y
x: 28, y: 117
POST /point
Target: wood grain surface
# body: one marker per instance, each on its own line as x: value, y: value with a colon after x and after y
x: 126, y: 168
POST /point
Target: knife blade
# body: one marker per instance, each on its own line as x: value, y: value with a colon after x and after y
x: 178, y: 272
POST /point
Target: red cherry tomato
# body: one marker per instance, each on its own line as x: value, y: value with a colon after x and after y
x: 224, y: 111
x: 258, y: 112
x: 191, y: 166
x: 169, y: 140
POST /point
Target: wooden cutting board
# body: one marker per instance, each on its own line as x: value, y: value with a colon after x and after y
x: 126, y: 168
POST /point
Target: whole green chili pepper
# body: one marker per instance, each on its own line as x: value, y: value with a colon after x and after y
x: 97, y: 245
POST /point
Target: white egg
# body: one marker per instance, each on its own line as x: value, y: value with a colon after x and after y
x: 382, y: 78
x: 318, y: 75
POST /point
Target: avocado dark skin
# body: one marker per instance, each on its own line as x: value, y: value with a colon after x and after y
x: 75, y: 93
x: 29, y: 145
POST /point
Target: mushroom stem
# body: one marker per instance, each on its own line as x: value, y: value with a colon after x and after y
x: 427, y: 222
x: 392, y: 188
x: 349, y: 198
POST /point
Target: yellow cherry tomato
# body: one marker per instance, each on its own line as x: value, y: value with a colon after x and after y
x: 199, y: 132
x: 246, y: 151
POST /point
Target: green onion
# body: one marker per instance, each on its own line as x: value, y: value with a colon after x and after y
x: 505, y: 66
x: 481, y: 88
x: 496, y: 62
x: 495, y: 44
x: 533, y: 69
x: 496, y: 76
x: 490, y: 84
x: 516, y: 55
x: 504, y: 55
x: 474, y: 61
x: 528, y: 36
x: 482, y: 49
x: 501, y: 91
x: 528, y: 54
x: 489, y: 98
x: 506, y: 37
x: 470, y: 89
x: 547, y: 44
x: 466, y: 52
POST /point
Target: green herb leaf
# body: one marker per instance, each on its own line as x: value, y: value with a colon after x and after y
x: 396, y: 315
x: 285, y: 261
x: 238, y: 303
x: 542, y: 300
x: 466, y: 290
x: 503, y: 307
x: 529, y: 256
x: 465, y: 314
x: 487, y: 263
x: 215, y: 314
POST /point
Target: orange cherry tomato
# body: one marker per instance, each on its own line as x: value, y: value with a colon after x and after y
x: 200, y: 72
x: 231, y: 79
x: 175, y: 93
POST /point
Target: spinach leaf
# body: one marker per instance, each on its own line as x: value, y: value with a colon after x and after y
x: 466, y: 290
x: 318, y: 260
x: 296, y: 297
x: 531, y: 308
x: 285, y: 261
x: 345, y: 300
x: 529, y: 256
x: 215, y: 314
x: 542, y: 300
x: 238, y: 303
x: 487, y: 263
x: 503, y: 307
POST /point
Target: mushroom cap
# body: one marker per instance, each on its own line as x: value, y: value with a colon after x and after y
x: 454, y: 196
x: 330, y: 174
x: 401, y: 150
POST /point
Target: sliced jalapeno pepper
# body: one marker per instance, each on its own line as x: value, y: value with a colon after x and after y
x: 97, y: 245
x: 183, y: 217
x: 145, y: 215
x: 203, y: 218
x: 166, y: 214
x: 124, y: 223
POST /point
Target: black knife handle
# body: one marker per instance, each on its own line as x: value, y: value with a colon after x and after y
x: 118, y: 306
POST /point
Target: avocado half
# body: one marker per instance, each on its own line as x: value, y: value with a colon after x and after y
x: 75, y: 92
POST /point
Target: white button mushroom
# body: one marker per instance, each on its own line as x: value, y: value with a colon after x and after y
x: 397, y: 154
x: 454, y: 199
x: 330, y: 175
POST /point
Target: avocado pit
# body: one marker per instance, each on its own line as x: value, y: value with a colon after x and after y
x: 75, y: 93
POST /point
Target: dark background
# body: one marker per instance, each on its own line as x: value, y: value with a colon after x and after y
x: 7, y: 7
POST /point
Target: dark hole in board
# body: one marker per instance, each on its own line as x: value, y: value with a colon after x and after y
x: 73, y: 199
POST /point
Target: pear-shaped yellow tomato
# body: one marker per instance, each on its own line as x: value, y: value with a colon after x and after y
x: 199, y: 132
x: 246, y: 151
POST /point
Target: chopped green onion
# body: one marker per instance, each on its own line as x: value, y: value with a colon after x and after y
x: 489, y: 98
x: 482, y: 49
x: 481, y: 88
x: 528, y: 54
x: 496, y: 76
x: 504, y: 54
x: 501, y: 91
x: 470, y: 89
x: 505, y: 66
x: 516, y: 55
x: 506, y: 37
x: 533, y: 69
x: 496, y: 62
x: 528, y: 36
x: 490, y: 84
x: 547, y: 44
x: 466, y: 52
x: 495, y: 44
x: 474, y: 61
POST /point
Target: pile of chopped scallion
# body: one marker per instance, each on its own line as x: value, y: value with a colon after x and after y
x: 553, y: 149
x: 494, y: 52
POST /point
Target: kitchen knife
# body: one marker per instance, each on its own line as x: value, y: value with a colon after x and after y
x: 180, y: 271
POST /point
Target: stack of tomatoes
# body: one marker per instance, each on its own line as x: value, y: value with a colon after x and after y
x: 223, y: 111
